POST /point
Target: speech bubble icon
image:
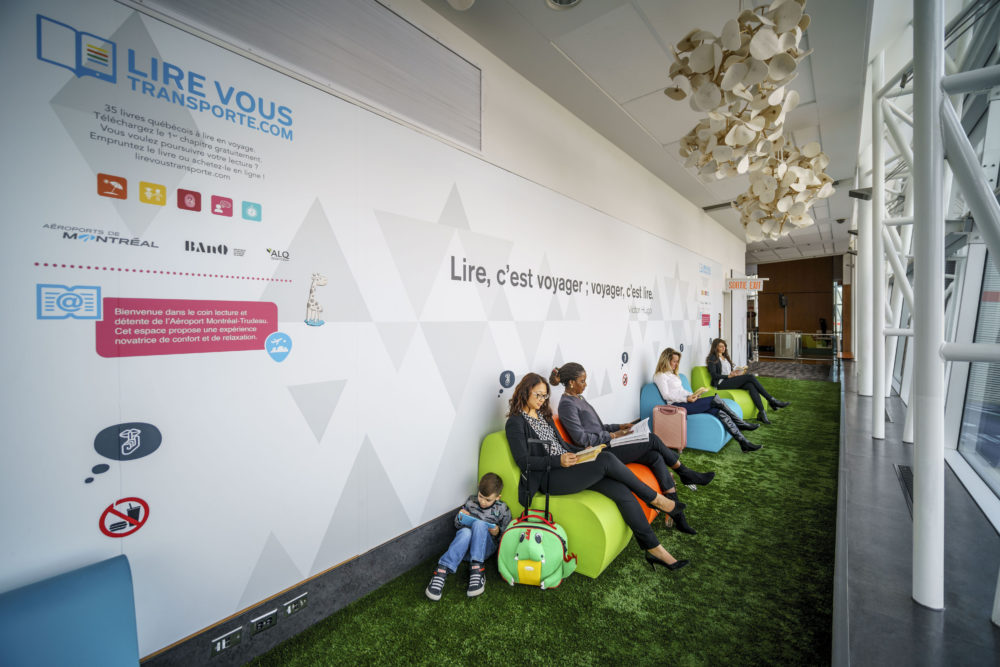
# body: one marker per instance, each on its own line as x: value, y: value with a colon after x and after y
x: 278, y: 345
x: 128, y: 441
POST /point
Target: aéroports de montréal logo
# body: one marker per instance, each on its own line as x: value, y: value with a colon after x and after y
x: 207, y: 248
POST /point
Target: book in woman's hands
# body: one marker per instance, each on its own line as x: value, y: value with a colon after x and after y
x: 640, y: 433
x: 589, y: 454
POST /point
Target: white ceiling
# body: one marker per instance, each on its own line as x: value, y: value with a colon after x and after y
x: 607, y: 62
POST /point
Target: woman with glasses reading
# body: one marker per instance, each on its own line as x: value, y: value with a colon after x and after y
x: 586, y: 429
x: 536, y: 445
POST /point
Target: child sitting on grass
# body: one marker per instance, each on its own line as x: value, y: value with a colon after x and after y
x: 480, y: 523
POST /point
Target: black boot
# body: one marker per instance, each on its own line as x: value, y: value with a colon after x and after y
x: 762, y: 416
x: 745, y: 444
x: 689, y: 476
x: 773, y: 402
x: 720, y: 404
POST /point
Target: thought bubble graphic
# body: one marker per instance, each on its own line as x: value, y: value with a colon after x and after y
x: 125, y: 442
x: 97, y: 470
x: 506, y: 381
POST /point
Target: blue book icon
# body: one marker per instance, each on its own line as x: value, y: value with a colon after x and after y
x: 58, y: 302
x: 82, y: 53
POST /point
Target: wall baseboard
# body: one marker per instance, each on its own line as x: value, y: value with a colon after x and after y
x: 328, y: 592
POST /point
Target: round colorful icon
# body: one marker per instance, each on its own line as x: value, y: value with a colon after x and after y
x: 123, y: 517
x: 278, y: 345
x: 624, y: 379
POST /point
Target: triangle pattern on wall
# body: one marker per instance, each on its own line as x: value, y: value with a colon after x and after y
x: 315, y: 249
x: 418, y: 248
x: 453, y: 213
x: 454, y: 346
x: 492, y: 254
x: 369, y: 512
x: 572, y: 310
x: 606, y: 386
x: 530, y: 334
x: 274, y: 571
x: 555, y: 313
x: 317, y: 401
x: 396, y: 337
x: 500, y: 311
x: 557, y: 357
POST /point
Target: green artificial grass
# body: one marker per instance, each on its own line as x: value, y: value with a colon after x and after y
x: 758, y: 591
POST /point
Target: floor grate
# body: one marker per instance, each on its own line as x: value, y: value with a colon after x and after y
x: 905, y: 476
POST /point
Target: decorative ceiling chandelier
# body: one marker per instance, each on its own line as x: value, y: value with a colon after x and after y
x: 739, y: 79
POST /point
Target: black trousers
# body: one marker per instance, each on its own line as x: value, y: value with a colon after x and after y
x: 749, y: 382
x: 652, y: 453
x: 608, y: 476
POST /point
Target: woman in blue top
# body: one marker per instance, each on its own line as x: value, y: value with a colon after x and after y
x: 585, y: 429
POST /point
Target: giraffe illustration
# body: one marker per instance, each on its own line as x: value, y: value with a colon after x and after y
x: 314, y: 311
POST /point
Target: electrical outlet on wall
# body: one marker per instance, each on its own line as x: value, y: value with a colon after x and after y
x: 228, y: 640
x: 296, y: 604
x: 263, y: 622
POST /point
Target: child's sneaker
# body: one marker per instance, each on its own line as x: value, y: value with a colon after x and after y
x: 436, y: 587
x: 477, y: 579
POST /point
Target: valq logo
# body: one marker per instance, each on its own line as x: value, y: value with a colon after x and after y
x: 194, y: 246
x: 279, y: 255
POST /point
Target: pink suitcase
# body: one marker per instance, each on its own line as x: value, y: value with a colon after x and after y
x: 670, y: 424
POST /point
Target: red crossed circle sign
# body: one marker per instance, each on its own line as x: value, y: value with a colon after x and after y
x: 624, y: 379
x: 121, y: 518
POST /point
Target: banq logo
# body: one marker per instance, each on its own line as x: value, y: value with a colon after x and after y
x: 194, y: 246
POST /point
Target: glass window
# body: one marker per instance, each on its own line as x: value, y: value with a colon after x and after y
x: 979, y: 441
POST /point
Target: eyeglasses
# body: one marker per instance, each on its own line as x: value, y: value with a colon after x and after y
x: 543, y: 397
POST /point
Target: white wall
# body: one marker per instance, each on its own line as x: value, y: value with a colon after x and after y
x: 566, y: 155
x: 267, y: 471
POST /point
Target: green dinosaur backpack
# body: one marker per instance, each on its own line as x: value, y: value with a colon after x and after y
x: 533, y: 551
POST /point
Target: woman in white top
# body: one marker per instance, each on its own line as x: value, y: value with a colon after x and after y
x: 672, y: 391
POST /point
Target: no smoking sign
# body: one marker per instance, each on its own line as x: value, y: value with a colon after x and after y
x: 123, y: 517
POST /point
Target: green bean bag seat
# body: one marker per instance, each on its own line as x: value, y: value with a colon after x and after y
x: 594, y: 527
x: 701, y: 378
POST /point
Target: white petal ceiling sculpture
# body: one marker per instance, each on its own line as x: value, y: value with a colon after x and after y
x: 739, y: 80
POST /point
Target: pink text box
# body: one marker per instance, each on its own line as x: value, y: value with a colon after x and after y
x: 143, y: 327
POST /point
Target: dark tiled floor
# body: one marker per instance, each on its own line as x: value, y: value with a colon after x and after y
x: 883, y: 623
x: 797, y: 370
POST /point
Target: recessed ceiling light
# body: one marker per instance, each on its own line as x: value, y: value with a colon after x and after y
x: 562, y: 4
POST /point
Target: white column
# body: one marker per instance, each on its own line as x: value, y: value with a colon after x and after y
x: 928, y: 316
x: 863, y: 286
x: 877, y: 255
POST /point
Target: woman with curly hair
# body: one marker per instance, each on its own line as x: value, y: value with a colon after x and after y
x: 536, y: 445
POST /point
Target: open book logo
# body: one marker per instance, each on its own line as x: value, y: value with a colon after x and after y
x: 80, y: 52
